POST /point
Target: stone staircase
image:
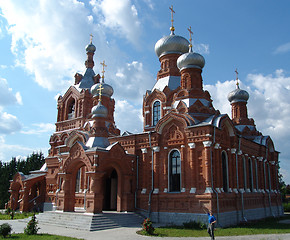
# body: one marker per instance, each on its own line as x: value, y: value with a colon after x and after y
x: 90, y: 222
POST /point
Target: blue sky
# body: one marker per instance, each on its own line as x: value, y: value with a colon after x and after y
x: 42, y: 46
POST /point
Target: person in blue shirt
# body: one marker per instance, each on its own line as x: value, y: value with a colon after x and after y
x: 210, y: 227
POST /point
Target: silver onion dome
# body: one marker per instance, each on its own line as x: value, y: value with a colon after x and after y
x: 99, y: 111
x: 90, y: 47
x: 171, y: 44
x: 190, y: 60
x: 107, y: 90
x: 238, y: 95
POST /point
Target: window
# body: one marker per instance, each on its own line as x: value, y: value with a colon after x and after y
x: 174, y: 171
x: 71, y: 110
x: 225, y: 171
x: 156, y: 112
x: 250, y: 169
x: 78, y: 180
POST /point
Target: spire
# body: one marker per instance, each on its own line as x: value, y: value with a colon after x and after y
x: 172, y: 27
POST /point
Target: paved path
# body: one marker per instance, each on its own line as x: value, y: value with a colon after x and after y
x: 125, y: 233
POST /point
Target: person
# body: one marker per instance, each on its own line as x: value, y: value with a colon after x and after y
x: 210, y: 227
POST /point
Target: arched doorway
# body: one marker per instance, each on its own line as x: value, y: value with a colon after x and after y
x: 110, y: 192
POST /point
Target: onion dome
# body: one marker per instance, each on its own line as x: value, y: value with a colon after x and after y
x: 99, y: 111
x: 238, y: 95
x: 171, y: 44
x: 91, y: 47
x: 107, y: 90
x: 190, y: 60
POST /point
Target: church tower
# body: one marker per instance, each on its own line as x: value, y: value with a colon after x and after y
x: 238, y: 99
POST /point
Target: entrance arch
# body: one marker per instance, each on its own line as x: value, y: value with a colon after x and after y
x: 111, y: 191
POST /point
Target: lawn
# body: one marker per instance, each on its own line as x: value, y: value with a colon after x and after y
x: 17, y: 215
x: 23, y: 236
x: 267, y: 226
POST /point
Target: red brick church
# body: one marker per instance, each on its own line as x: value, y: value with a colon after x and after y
x: 189, y: 158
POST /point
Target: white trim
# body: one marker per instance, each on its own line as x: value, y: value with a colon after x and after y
x: 191, y: 145
x: 144, y: 150
x: 192, y: 190
x: 156, y: 149
x: 207, y: 143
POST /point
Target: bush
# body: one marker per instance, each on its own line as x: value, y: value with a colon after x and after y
x: 148, y: 226
x: 31, y: 228
x: 194, y: 225
x: 5, y: 229
x: 286, y: 207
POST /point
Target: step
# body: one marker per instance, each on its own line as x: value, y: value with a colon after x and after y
x: 89, y: 222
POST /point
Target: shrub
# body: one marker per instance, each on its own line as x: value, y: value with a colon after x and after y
x: 148, y: 226
x: 286, y: 207
x: 194, y: 225
x: 31, y: 228
x: 5, y: 229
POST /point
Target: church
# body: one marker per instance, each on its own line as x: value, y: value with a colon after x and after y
x: 189, y: 159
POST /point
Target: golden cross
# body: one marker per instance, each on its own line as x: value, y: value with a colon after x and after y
x: 103, y: 71
x: 91, y: 38
x: 100, y: 88
x: 237, y: 78
x: 172, y: 11
x: 190, y: 38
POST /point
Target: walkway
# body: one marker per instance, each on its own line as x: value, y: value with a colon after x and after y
x: 124, y: 233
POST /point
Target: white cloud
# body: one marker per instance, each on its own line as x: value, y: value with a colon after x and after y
x: 132, y: 80
x: 46, y: 38
x: 283, y: 48
x: 128, y: 117
x: 268, y: 105
x: 39, y: 128
x: 7, y: 151
x: 8, y: 123
x: 7, y: 97
x: 121, y: 16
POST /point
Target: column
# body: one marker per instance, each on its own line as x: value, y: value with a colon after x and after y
x: 193, y: 168
x: 183, y: 168
x: 156, y: 169
x: 165, y: 169
x: 207, y: 166
x: 144, y: 171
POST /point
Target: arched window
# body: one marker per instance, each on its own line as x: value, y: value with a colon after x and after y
x: 71, y: 110
x: 174, y: 171
x: 156, y: 112
x: 250, y: 169
x: 245, y: 173
x: 225, y: 172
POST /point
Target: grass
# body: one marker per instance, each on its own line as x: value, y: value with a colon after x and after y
x: 267, y: 226
x: 23, y: 236
x: 17, y: 215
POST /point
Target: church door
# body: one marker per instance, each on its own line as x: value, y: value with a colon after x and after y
x: 111, y: 190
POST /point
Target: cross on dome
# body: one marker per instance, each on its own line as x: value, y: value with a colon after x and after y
x: 103, y: 70
x: 91, y: 38
x: 237, y: 78
x: 172, y: 11
x: 100, y: 88
x: 190, y: 36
